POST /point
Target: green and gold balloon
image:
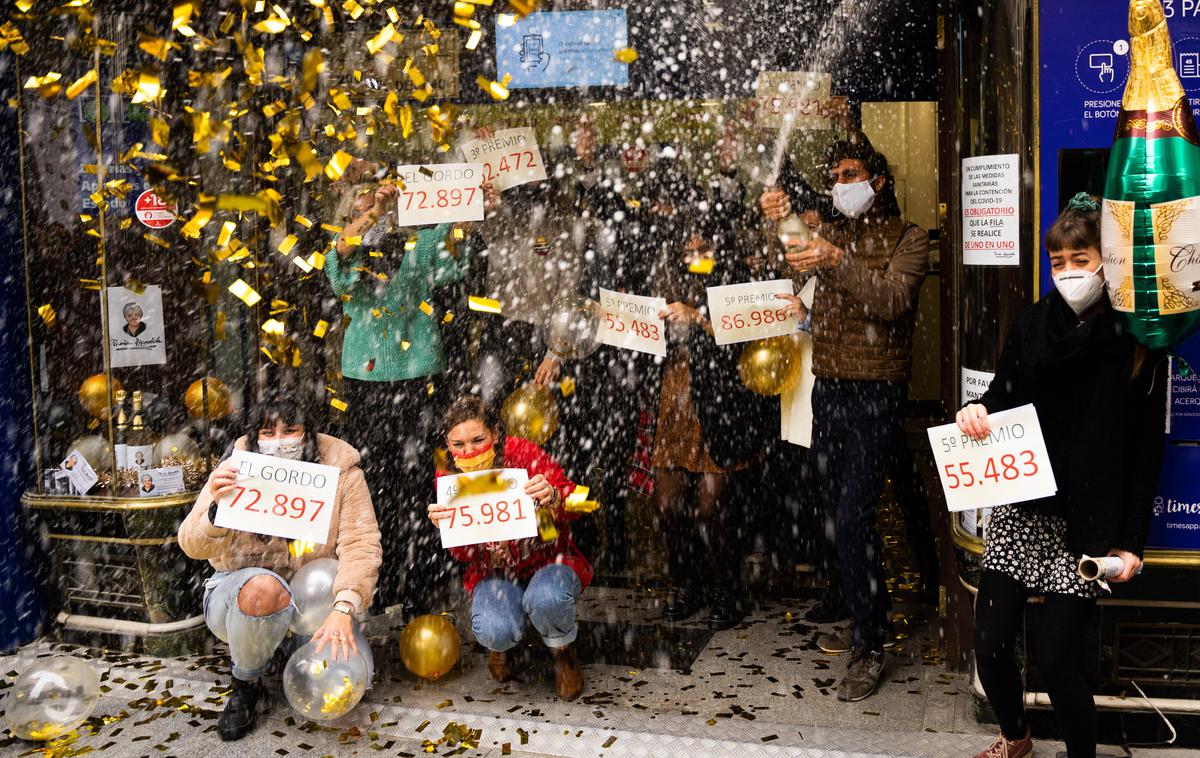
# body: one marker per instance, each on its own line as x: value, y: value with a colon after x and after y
x: 1151, y: 214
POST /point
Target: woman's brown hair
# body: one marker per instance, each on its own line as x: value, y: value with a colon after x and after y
x: 1077, y: 227
x: 472, y: 408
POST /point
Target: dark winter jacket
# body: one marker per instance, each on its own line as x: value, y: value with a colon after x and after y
x: 1104, y: 430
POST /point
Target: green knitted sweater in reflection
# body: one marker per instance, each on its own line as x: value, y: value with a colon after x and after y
x: 386, y: 315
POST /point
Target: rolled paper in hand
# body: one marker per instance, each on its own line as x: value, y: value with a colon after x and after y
x: 1100, y: 569
x: 1150, y: 225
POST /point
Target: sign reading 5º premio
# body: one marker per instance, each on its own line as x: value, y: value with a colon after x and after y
x: 1010, y: 465
x: 280, y: 497
x: 632, y: 322
x: 751, y: 311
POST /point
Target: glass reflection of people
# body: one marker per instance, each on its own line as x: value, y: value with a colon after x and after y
x: 391, y: 350
x: 133, y: 314
x: 147, y: 484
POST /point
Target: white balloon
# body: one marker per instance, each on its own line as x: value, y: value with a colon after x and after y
x: 312, y: 591
x: 50, y: 699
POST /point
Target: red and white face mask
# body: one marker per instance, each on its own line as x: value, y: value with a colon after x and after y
x: 477, y: 460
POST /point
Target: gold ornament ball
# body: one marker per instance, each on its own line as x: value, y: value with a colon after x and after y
x: 530, y: 412
x: 771, y: 366
x: 95, y: 451
x: 220, y: 399
x: 176, y: 446
x: 429, y: 646
x: 93, y: 395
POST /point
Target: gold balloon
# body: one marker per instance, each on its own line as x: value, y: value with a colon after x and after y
x: 93, y: 395
x: 429, y: 646
x: 95, y: 451
x: 530, y: 412
x: 220, y: 399
x: 176, y: 446
x: 771, y: 366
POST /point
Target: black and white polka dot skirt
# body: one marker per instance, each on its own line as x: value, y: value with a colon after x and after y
x: 1031, y: 547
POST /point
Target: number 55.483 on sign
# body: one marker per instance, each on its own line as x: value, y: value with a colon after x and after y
x: 1010, y: 465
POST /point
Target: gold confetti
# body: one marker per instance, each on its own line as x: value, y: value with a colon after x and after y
x: 155, y: 239
x: 339, y: 404
x: 10, y: 36
x: 226, y: 233
x: 483, y: 304
x: 567, y: 386
x: 405, y: 345
x: 321, y: 328
x: 271, y: 25
x: 245, y: 293
x: 498, y: 90
x: 337, y: 165
x: 48, y: 314
x: 204, y: 214
x: 82, y: 83
x: 474, y: 39
x: 625, y: 55
x: 288, y: 242
x: 160, y: 131
x: 702, y: 266
x: 304, y: 221
x: 181, y: 17
x: 426, y: 308
x: 385, y: 35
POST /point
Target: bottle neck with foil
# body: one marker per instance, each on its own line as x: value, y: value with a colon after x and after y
x: 1153, y: 84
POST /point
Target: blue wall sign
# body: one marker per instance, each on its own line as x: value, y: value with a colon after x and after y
x: 1084, y: 56
x: 563, y: 49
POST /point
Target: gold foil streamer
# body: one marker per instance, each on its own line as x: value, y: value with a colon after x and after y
x: 82, y: 83
x: 245, y: 293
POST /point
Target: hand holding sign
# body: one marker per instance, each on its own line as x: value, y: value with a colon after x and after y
x: 277, y: 496
x: 440, y: 193
x: 1008, y: 463
x: 632, y: 322
x: 746, y: 312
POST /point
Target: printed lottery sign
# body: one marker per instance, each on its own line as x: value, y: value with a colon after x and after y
x: 510, y: 158
x: 1010, y: 465
x: 744, y: 312
x: 441, y: 193
x: 280, y: 497
x: 632, y: 322
x: 488, y: 506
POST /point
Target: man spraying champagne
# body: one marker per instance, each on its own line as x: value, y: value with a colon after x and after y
x: 1151, y: 216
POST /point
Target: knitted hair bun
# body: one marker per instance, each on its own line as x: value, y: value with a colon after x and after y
x: 1083, y: 202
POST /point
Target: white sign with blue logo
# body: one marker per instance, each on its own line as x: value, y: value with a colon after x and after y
x: 563, y: 49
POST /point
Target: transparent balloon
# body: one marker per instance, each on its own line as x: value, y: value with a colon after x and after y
x: 312, y: 592
x: 429, y: 646
x: 572, y: 327
x: 51, y: 698
x: 530, y: 412
x: 320, y: 688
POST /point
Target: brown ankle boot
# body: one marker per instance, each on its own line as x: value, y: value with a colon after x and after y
x: 500, y: 666
x: 568, y: 675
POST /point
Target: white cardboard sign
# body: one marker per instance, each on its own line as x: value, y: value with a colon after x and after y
x: 510, y: 158
x: 632, y: 322
x: 1010, y: 465
x: 280, y: 497
x: 136, y: 326
x: 751, y: 311
x: 79, y: 472
x: 991, y: 210
x: 440, y: 193
x: 975, y: 383
x: 489, y: 506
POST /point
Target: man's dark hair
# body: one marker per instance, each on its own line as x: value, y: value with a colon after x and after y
x: 860, y: 148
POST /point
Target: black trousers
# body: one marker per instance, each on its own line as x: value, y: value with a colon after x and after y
x: 1057, y: 653
x: 394, y: 425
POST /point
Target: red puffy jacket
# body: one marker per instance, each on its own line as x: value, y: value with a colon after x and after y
x: 529, y: 555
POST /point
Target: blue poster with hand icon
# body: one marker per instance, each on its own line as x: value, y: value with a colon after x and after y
x: 563, y: 49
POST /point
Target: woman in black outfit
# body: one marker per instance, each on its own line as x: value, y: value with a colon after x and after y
x: 1101, y: 400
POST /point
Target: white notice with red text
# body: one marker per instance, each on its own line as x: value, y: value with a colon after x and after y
x: 280, y: 497
x: 991, y: 210
x: 488, y: 506
x: 632, y: 322
x: 1010, y: 465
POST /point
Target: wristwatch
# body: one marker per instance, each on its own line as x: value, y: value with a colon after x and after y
x: 344, y: 606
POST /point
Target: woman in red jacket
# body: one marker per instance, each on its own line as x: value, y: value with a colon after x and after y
x: 531, y: 577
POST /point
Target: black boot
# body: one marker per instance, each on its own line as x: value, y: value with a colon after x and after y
x: 241, y: 710
x: 727, y: 609
x: 682, y: 603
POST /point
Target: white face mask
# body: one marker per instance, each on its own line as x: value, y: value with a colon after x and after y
x: 854, y: 199
x: 287, y: 447
x: 1081, y: 289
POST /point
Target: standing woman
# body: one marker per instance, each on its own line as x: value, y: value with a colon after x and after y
x: 1101, y: 399
x: 535, y: 578
x: 247, y: 600
x: 709, y: 426
x: 391, y: 357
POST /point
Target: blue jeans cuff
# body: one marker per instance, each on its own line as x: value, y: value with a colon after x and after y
x: 562, y: 640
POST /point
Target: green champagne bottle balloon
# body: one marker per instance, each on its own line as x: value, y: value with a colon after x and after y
x: 1150, y: 223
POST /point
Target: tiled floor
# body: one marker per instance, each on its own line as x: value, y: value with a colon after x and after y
x: 760, y: 689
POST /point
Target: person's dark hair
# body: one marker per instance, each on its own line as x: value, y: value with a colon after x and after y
x: 472, y: 408
x: 1077, y: 227
x: 860, y: 148
x: 277, y: 406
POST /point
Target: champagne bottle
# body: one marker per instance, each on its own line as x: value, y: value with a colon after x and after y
x: 792, y: 229
x: 121, y: 441
x: 141, y: 440
x: 1152, y: 192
